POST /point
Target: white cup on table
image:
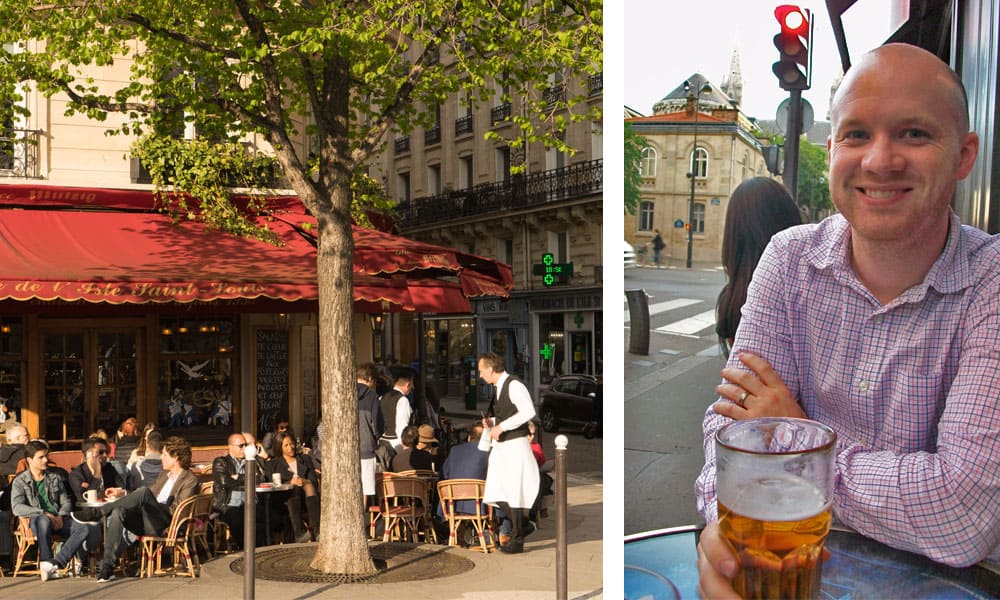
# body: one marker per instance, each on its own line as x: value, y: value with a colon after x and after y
x: 276, y: 479
x: 90, y: 496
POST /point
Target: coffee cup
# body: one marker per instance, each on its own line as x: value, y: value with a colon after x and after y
x: 90, y: 496
x: 276, y: 479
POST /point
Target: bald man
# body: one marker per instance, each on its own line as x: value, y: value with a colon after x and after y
x: 909, y: 374
x: 229, y: 491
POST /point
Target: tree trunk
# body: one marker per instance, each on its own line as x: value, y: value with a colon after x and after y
x: 342, y: 544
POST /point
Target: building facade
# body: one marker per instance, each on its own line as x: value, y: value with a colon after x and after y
x: 455, y: 188
x: 717, y: 143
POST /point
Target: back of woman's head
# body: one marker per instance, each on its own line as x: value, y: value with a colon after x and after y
x: 758, y: 208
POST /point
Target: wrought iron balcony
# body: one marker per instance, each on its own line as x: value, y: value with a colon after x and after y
x: 521, y: 192
x: 595, y: 84
x: 499, y: 114
x: 555, y: 93
x: 19, y: 153
x: 402, y: 144
x: 432, y: 135
x: 463, y: 125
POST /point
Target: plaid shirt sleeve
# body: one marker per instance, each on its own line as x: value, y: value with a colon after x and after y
x: 910, y: 387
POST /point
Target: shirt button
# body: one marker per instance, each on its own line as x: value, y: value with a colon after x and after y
x: 863, y: 386
x: 878, y: 319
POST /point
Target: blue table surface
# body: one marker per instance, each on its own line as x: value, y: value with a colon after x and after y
x: 859, y: 568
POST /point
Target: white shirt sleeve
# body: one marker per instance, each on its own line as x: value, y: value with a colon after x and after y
x: 402, y: 415
x: 521, y: 399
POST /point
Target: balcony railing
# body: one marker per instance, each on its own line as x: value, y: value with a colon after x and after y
x: 432, y: 135
x: 595, y: 84
x: 522, y: 191
x: 554, y: 94
x: 402, y: 144
x: 463, y: 125
x: 499, y: 114
x: 19, y: 153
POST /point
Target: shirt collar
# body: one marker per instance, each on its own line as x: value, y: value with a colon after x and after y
x: 950, y: 273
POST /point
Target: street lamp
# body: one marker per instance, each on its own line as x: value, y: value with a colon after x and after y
x: 705, y: 89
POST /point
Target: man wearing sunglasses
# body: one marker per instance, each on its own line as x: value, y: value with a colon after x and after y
x: 94, y: 473
x: 229, y: 495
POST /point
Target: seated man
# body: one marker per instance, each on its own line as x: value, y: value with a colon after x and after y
x: 229, y: 490
x: 411, y: 457
x: 94, y: 473
x: 466, y: 461
x: 146, y: 511
x: 145, y: 472
x: 13, y: 451
x: 40, y: 495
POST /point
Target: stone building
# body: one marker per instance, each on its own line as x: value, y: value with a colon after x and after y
x: 719, y: 141
x: 455, y: 188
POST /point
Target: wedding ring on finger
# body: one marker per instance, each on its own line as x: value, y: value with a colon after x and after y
x: 741, y: 400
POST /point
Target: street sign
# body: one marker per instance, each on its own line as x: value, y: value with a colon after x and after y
x: 551, y: 271
x: 679, y: 224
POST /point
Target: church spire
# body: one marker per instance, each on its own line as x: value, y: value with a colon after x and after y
x: 732, y: 84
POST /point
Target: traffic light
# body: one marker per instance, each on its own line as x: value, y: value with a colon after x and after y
x: 794, y: 45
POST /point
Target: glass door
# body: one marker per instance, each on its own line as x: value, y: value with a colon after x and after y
x: 90, y: 382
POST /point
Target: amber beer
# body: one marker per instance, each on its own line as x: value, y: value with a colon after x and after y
x: 775, y: 490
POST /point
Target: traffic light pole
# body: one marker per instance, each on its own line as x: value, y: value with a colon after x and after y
x: 793, y: 131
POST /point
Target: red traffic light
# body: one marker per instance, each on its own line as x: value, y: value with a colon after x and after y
x: 794, y: 47
x: 793, y: 20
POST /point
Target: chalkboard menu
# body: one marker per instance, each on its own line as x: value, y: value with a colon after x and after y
x: 272, y: 378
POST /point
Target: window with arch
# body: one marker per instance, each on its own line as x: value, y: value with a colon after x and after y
x: 647, y: 166
x: 699, y: 162
x: 646, y: 215
x: 698, y: 218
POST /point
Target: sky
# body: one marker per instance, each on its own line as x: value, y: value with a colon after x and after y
x: 667, y: 41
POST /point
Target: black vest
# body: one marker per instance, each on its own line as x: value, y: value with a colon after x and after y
x: 388, y: 402
x: 502, y: 408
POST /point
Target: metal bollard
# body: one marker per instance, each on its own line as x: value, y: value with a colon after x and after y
x: 638, y: 316
x: 249, y: 521
x: 561, y: 559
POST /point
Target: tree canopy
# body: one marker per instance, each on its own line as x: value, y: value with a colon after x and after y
x: 322, y: 83
x: 634, y: 145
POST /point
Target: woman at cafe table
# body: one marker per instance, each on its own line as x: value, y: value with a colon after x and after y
x: 881, y: 322
x: 298, y: 470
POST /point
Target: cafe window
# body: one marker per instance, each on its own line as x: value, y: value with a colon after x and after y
x: 11, y: 367
x: 195, y: 387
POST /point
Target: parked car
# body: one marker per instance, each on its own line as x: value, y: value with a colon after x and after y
x: 576, y: 399
x: 629, y: 255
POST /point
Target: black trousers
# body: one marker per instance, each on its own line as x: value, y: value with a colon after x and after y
x: 518, y: 522
x: 233, y: 517
x: 138, y: 512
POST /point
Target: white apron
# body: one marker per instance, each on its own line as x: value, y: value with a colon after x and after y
x: 512, y: 474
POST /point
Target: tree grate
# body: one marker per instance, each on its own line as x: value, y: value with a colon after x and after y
x: 396, y: 562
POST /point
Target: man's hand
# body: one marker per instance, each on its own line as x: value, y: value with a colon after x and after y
x: 495, y: 432
x: 717, y: 565
x: 57, y: 521
x: 760, y: 393
x: 114, y: 492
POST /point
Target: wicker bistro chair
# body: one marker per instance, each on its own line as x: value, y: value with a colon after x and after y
x: 201, y: 524
x: 375, y: 510
x: 178, y: 537
x: 405, y: 509
x: 451, y: 491
x: 24, y: 537
x: 220, y: 530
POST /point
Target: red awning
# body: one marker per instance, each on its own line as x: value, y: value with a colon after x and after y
x: 119, y: 257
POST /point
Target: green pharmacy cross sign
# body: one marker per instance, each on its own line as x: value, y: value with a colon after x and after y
x: 552, y: 272
x: 547, y: 351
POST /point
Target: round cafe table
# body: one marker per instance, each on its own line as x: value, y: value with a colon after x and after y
x: 664, y: 564
x: 266, y: 489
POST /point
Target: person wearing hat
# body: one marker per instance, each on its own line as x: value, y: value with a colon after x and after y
x: 411, y: 457
x: 428, y: 441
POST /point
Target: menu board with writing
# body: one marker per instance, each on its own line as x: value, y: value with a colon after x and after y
x: 272, y: 378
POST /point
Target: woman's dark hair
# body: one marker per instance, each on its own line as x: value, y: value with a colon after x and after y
x: 758, y: 209
x: 279, y: 439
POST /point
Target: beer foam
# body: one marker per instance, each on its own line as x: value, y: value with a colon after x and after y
x: 774, y: 497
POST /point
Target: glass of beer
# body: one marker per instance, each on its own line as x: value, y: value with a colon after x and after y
x: 774, y: 478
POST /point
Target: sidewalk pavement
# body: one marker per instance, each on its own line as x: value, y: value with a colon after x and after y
x: 496, y: 576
